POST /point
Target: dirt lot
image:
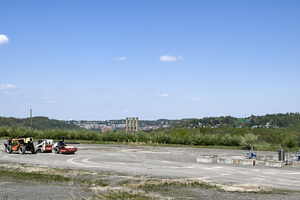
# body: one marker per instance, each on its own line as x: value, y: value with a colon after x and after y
x: 138, y: 172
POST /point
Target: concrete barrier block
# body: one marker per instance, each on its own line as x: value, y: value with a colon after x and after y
x: 215, y: 158
x: 225, y: 160
x: 204, y: 159
x: 296, y: 165
x: 261, y: 157
x: 273, y: 163
x: 260, y: 162
x: 271, y: 157
x: 234, y: 157
x: 247, y: 162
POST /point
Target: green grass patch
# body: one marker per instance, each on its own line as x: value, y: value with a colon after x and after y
x: 54, y: 175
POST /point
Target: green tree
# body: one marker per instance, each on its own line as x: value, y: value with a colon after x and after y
x: 290, y: 142
x: 249, y: 140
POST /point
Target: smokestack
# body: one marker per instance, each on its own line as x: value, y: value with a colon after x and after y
x: 129, y: 125
x: 133, y: 125
x: 137, y: 125
x: 31, y: 119
x: 126, y: 124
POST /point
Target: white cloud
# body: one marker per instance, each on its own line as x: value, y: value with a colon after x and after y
x: 162, y: 95
x: 194, y: 99
x: 179, y: 58
x: 3, y: 39
x: 51, y: 102
x: 48, y: 98
x: 10, y: 94
x: 169, y: 58
x: 122, y: 58
x: 7, y: 87
x: 126, y: 111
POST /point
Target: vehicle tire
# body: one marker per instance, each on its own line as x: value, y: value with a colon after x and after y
x: 21, y: 150
x: 8, y: 149
x: 56, y: 150
x: 33, y: 151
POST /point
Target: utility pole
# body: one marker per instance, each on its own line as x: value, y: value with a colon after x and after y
x: 31, y: 119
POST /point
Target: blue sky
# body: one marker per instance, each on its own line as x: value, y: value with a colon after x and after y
x: 99, y: 60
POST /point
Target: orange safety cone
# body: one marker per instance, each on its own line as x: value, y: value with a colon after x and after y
x: 237, y: 162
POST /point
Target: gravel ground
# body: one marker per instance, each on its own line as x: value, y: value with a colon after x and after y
x: 30, y: 190
x: 129, y: 184
x: 35, y: 191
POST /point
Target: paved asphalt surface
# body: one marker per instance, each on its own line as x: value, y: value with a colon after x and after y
x: 162, y: 162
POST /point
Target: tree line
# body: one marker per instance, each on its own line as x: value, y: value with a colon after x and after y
x: 283, y: 129
x: 279, y: 120
x: 38, y: 123
x: 244, y: 137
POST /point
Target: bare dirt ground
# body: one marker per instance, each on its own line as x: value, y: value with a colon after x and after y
x: 139, y: 172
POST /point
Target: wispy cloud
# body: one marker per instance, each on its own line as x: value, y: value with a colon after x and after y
x: 162, y: 95
x: 7, y: 87
x: 51, y: 102
x: 126, y: 111
x: 10, y: 94
x: 169, y: 58
x: 194, y: 99
x: 122, y: 58
x: 3, y: 39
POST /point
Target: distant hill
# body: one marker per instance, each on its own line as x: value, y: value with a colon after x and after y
x: 270, y: 121
x: 279, y: 120
x: 38, y: 123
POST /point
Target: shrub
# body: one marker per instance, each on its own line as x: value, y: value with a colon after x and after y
x: 182, y: 132
x: 131, y: 137
x: 142, y: 137
x: 290, y: 142
x: 3, y: 131
x: 107, y: 136
x: 210, y: 139
x: 40, y: 135
x: 225, y: 140
x: 14, y: 133
x: 236, y: 140
x: 92, y: 136
x: 161, y: 137
x: 187, y: 139
x: 81, y: 135
x: 53, y: 134
x: 198, y: 139
x: 249, y: 140
x: 119, y: 136
x: 71, y: 135
x: 263, y: 144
